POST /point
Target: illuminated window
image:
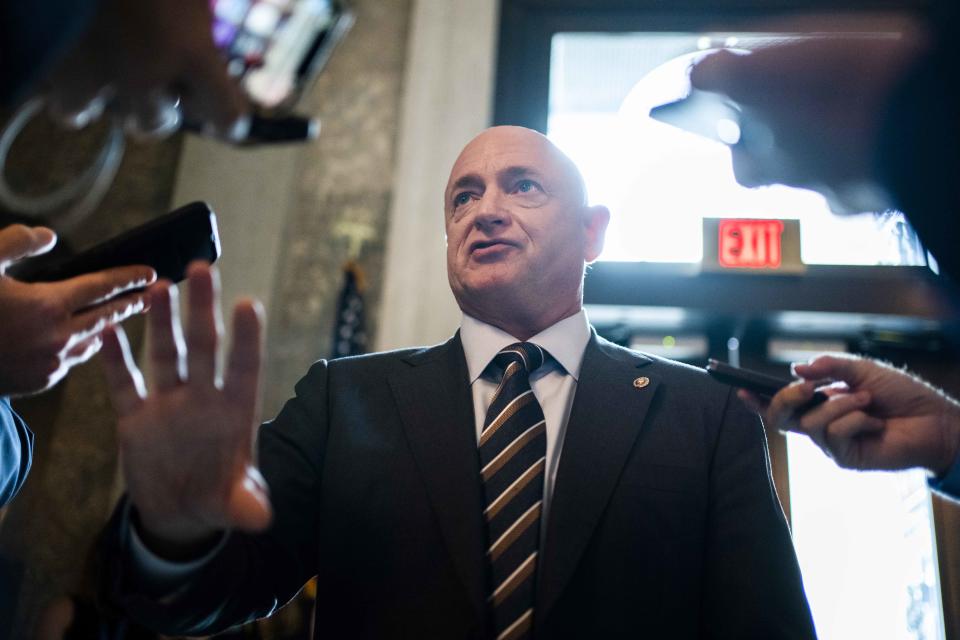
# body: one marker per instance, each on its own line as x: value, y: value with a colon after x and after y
x: 659, y: 181
x: 866, y: 548
x: 864, y: 541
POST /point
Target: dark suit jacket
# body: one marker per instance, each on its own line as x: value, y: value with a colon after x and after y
x: 664, y: 522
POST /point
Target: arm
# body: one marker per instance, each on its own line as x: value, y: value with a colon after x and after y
x: 881, y: 418
x: 918, y: 149
x: 47, y: 329
x: 188, y: 460
x: 753, y: 587
x: 135, y: 57
x: 16, y: 452
x: 252, y: 574
x: 822, y: 102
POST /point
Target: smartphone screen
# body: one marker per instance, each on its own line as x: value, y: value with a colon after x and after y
x: 275, y: 47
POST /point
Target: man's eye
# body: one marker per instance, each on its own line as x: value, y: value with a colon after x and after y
x: 526, y: 186
x: 461, y: 199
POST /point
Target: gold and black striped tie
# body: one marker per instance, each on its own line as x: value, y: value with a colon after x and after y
x: 513, y: 450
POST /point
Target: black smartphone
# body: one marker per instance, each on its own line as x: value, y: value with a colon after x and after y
x: 168, y: 244
x: 703, y: 113
x: 759, y: 383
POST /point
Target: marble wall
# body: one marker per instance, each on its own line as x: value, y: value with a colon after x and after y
x: 287, y: 216
x: 342, y: 189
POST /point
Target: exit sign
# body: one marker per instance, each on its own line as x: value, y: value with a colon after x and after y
x: 752, y: 246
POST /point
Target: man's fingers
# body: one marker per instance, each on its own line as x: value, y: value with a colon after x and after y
x: 152, y: 116
x: 249, y: 503
x: 83, y: 351
x: 854, y: 425
x: 203, y: 323
x: 19, y: 241
x: 167, y: 351
x: 93, y: 321
x: 718, y: 72
x: 211, y: 97
x: 843, y: 438
x: 124, y: 380
x: 851, y: 370
x: 92, y: 288
x: 243, y: 367
x: 781, y: 413
x: 823, y: 416
x: 78, y: 107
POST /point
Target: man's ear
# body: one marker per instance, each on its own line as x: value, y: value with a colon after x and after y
x: 595, y: 221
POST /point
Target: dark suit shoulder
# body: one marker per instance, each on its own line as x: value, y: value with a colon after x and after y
x: 410, y: 356
x: 373, y: 367
x: 679, y: 374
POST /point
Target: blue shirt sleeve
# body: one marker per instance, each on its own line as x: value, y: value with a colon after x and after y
x: 948, y: 484
x: 16, y: 451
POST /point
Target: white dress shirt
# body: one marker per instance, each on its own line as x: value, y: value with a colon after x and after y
x: 553, y: 384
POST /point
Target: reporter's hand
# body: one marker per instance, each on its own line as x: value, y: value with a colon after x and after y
x: 137, y: 59
x: 822, y: 99
x: 48, y: 328
x: 187, y: 445
x: 882, y: 419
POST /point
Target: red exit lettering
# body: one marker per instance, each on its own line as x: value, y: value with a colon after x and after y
x: 751, y: 244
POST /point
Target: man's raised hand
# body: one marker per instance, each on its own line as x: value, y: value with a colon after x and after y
x: 187, y: 444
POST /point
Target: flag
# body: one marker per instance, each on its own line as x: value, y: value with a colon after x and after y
x: 349, y: 329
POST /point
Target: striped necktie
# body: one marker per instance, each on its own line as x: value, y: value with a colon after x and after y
x: 513, y: 449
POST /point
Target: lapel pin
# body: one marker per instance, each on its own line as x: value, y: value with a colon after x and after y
x: 641, y: 382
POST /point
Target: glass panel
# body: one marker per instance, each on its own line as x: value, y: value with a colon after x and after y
x: 865, y: 541
x: 866, y: 549
x: 659, y: 181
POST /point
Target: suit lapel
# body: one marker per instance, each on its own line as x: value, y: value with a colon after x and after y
x: 605, y: 419
x: 436, y: 407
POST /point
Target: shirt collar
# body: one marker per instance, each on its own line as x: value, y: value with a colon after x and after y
x: 564, y: 340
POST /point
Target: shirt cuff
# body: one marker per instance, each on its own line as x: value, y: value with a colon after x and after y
x: 949, y: 483
x: 160, y: 574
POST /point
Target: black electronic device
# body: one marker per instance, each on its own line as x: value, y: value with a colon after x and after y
x: 754, y: 381
x: 168, y: 244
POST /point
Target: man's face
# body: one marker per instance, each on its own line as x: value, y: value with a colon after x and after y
x: 518, y: 231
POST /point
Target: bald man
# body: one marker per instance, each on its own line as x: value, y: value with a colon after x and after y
x: 524, y: 479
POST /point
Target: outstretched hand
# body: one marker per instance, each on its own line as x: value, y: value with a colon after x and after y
x: 879, y: 418
x: 50, y: 327
x: 187, y: 444
x: 819, y: 103
x: 144, y: 61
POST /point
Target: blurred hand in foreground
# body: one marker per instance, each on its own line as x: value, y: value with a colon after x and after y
x: 148, y: 61
x: 813, y: 108
x: 877, y: 418
x: 48, y: 328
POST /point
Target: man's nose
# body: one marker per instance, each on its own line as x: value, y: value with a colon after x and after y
x: 491, y: 213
